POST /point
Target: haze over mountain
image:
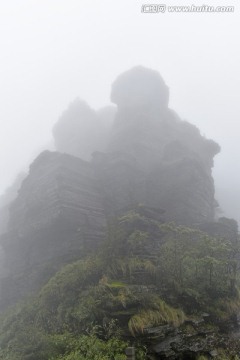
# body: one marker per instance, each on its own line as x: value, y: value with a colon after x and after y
x: 116, y: 238
x: 119, y: 186
x: 53, y: 52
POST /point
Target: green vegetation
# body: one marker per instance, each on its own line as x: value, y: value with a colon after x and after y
x: 156, y: 313
x: 147, y: 274
x: 33, y: 345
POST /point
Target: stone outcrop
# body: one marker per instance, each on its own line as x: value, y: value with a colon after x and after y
x: 175, y: 160
x: 6, y: 199
x: 60, y: 197
x: 81, y: 130
x: 198, y: 336
x: 121, y: 180
x: 57, y: 215
x: 4, y: 216
x: 150, y: 157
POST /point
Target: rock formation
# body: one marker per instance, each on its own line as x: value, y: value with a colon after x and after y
x: 151, y: 157
x: 81, y: 130
x: 57, y: 215
x: 60, y: 196
x: 174, y: 158
x: 6, y: 199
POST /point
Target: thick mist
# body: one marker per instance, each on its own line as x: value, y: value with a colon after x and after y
x: 53, y: 52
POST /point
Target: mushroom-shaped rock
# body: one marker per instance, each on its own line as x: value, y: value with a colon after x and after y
x: 140, y: 87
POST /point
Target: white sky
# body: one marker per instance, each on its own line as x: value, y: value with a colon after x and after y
x: 52, y: 51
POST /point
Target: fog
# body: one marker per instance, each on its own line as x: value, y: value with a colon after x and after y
x: 53, y: 51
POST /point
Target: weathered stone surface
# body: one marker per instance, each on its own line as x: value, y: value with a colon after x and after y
x: 183, y: 189
x: 4, y: 216
x: 58, y: 213
x: 181, y: 347
x: 121, y: 180
x: 59, y: 189
x: 188, y: 341
x: 60, y: 195
x: 6, y: 199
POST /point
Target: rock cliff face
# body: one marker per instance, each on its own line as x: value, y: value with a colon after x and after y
x: 152, y: 157
x: 58, y: 214
x: 61, y: 197
x: 6, y: 199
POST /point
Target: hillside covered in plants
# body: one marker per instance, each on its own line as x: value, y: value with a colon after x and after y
x: 114, y: 240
